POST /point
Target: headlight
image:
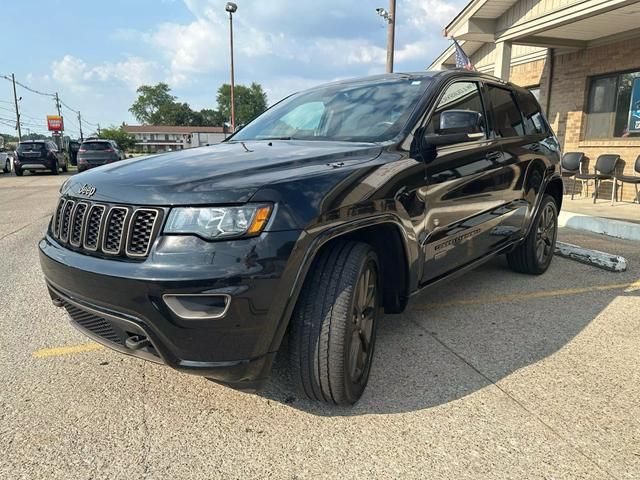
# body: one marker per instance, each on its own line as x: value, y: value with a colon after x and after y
x: 219, y: 222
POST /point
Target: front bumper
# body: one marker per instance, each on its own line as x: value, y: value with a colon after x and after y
x: 113, y: 300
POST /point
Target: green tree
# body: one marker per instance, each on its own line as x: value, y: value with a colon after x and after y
x: 250, y: 102
x: 211, y: 118
x: 154, y: 102
x: 124, y: 140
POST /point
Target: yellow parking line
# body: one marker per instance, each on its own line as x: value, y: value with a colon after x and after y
x: 516, y: 297
x: 55, y: 352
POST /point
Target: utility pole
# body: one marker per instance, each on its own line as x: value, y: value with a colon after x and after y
x: 98, y: 129
x: 15, y: 100
x: 80, y: 123
x: 61, y: 133
x: 391, y: 34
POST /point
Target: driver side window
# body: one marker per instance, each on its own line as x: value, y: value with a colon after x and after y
x: 458, y: 97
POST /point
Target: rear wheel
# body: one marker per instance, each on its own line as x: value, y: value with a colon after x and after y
x: 334, y: 324
x: 55, y: 170
x: 535, y: 253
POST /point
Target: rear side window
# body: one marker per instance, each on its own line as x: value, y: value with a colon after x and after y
x: 506, y: 115
x: 533, y: 120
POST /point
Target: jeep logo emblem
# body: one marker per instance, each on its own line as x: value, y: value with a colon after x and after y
x: 87, y: 190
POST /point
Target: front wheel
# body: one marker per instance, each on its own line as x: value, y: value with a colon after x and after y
x: 334, y: 324
x: 65, y: 167
x: 7, y: 167
x: 55, y: 170
x: 535, y: 253
x: 18, y: 171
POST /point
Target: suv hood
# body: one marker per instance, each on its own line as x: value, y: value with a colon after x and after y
x: 225, y: 173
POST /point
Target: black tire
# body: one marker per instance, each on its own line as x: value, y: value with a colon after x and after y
x: 65, y: 167
x: 336, y: 312
x: 55, y: 170
x: 7, y: 167
x: 534, y: 254
x: 18, y: 171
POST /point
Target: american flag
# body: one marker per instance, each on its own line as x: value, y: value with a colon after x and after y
x: 462, y: 61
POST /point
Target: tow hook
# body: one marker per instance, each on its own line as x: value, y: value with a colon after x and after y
x: 136, y: 342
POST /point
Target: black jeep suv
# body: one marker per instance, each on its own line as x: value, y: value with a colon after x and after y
x: 335, y: 204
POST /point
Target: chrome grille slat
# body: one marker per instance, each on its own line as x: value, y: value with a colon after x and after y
x: 55, y: 224
x: 113, y: 230
x: 77, y: 223
x: 98, y: 228
x: 141, y: 229
x: 65, y: 221
x: 93, y: 227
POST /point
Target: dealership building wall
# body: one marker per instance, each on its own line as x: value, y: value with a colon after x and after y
x: 580, y: 65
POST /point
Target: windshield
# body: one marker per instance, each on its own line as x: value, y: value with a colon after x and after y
x: 356, y: 112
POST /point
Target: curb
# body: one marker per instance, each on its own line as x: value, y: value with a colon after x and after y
x: 604, y: 226
x: 596, y: 258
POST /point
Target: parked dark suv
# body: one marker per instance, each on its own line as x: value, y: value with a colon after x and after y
x: 37, y: 155
x: 93, y: 153
x: 333, y: 205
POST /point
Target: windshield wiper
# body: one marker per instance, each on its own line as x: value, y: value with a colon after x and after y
x: 274, y: 138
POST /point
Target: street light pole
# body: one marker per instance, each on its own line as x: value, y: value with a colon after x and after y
x: 391, y: 34
x: 390, y: 17
x: 232, y: 8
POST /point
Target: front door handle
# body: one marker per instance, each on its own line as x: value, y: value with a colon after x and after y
x: 494, y: 156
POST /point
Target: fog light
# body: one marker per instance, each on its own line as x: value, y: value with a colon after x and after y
x: 201, y: 306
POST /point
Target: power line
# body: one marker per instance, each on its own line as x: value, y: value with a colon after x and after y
x: 53, y: 95
x: 26, y: 87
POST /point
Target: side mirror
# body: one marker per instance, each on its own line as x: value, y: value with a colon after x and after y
x: 456, y: 126
x: 460, y: 121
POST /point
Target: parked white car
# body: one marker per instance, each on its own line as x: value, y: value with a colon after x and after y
x: 6, y: 159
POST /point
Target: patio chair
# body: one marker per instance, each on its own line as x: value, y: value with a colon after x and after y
x: 633, y: 179
x: 605, y: 169
x: 571, y: 164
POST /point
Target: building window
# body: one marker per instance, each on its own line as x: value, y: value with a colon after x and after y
x: 608, y: 106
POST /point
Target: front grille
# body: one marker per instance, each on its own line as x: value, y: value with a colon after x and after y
x: 105, y: 229
x: 95, y: 324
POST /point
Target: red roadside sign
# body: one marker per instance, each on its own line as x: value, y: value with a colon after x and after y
x: 55, y: 123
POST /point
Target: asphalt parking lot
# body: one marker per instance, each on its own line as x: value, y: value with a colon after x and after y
x: 494, y: 375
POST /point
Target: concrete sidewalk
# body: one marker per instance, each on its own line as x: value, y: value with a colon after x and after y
x: 621, y: 220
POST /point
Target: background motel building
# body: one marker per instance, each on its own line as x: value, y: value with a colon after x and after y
x: 162, y: 138
x: 579, y: 57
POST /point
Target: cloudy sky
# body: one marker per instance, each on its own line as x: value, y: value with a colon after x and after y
x: 95, y: 54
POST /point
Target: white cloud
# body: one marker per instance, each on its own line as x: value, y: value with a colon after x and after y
x: 70, y: 70
x: 436, y: 13
x: 77, y: 74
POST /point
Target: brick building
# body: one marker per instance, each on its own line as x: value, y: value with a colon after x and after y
x: 162, y: 138
x: 579, y: 57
